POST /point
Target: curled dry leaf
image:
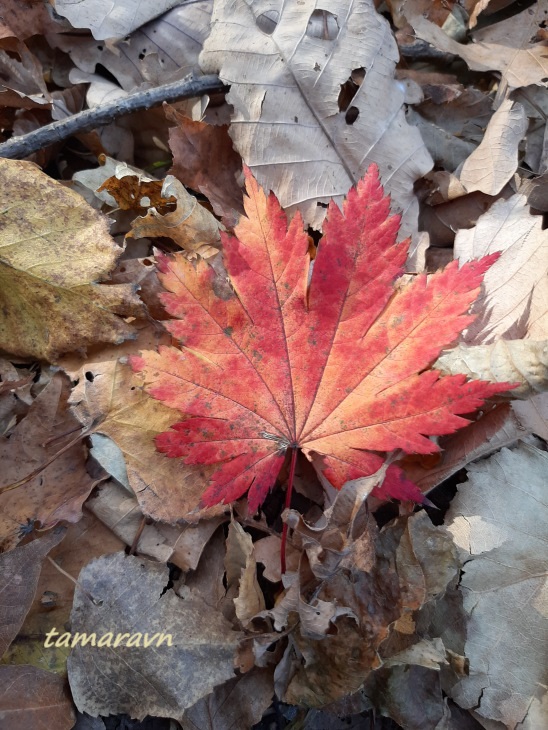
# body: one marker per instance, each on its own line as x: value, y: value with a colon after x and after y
x: 509, y: 46
x: 191, y: 226
x: 492, y: 164
x: 518, y: 361
x: 53, y: 248
x: 285, y: 73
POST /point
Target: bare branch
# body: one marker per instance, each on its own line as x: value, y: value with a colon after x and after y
x: 25, y: 145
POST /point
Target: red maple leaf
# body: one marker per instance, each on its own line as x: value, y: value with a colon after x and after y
x: 338, y: 369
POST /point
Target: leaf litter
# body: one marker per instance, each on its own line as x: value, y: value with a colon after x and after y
x: 382, y: 610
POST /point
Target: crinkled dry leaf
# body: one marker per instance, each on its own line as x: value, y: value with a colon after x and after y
x: 286, y: 72
x: 492, y: 164
x: 241, y: 574
x: 509, y: 46
x: 499, y: 520
x: 53, y: 248
x: 191, y: 226
x: 514, y: 299
x: 161, y: 680
x: 517, y: 361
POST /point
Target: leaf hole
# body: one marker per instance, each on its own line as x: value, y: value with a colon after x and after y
x: 267, y: 22
x: 90, y: 376
x: 352, y: 113
x: 323, y: 25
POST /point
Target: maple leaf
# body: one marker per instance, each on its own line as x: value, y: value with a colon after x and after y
x: 338, y: 369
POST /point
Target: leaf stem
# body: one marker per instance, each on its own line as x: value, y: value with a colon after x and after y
x: 287, y: 505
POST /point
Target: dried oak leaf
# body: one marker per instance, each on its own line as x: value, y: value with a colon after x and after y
x: 53, y: 248
x: 339, y: 369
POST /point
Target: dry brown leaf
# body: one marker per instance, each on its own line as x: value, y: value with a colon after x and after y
x: 533, y: 414
x: 241, y: 574
x: 190, y: 226
x: 499, y: 520
x: 32, y: 697
x: 239, y: 703
x: 118, y: 509
x: 19, y: 573
x: 138, y: 680
x: 51, y: 475
x: 53, y: 248
x: 505, y: 361
x: 508, y: 46
x: 286, y: 73
x: 109, y: 400
x: 204, y: 159
x: 53, y: 598
x: 493, y: 163
x: 499, y: 427
x: 514, y: 299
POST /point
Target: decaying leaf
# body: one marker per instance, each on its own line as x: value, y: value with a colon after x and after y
x: 502, y: 531
x: 53, y: 248
x: 285, y: 71
x: 131, y: 598
x: 191, y: 226
x: 43, y: 478
x: 31, y: 697
x: 19, y: 573
x: 340, y: 371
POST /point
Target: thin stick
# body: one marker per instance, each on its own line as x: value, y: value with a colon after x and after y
x: 288, y: 494
x: 26, y: 144
x: 79, y: 585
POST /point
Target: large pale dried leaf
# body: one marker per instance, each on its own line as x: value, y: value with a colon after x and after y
x: 286, y: 73
x: 499, y: 519
x: 191, y: 226
x: 51, y: 478
x: 139, y: 680
x: 19, y: 573
x: 170, y: 44
x: 108, y: 19
x: 53, y: 248
x: 31, y: 697
x: 492, y: 164
x: 509, y: 46
x: 514, y: 300
x: 510, y: 361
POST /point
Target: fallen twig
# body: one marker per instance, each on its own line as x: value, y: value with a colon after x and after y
x: 26, y: 144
